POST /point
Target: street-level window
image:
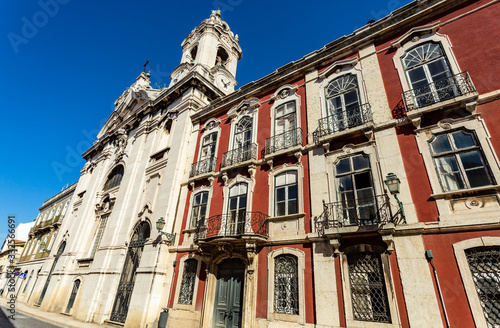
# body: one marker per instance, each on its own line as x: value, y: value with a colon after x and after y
x: 484, y: 264
x: 286, y: 284
x: 188, y: 279
x: 199, y: 208
x: 459, y: 161
x: 368, y: 290
x: 286, y: 194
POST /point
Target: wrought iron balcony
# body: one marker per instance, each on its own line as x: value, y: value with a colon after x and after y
x: 343, y: 120
x: 204, y: 166
x: 239, y: 155
x: 368, y: 212
x: 232, y: 225
x: 283, y: 141
x: 438, y: 91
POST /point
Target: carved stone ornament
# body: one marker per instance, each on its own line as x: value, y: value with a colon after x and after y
x: 445, y: 124
x: 145, y: 210
x: 285, y: 93
x: 121, y: 143
x: 348, y: 148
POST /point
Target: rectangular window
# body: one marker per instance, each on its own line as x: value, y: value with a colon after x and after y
x: 286, y: 194
x: 368, y: 290
x: 459, y: 161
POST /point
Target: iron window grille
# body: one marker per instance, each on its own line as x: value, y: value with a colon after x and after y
x: 368, y: 290
x: 286, y: 284
x: 187, y: 284
x: 484, y: 264
x: 459, y: 161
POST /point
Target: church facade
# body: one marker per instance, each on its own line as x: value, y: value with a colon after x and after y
x: 355, y: 187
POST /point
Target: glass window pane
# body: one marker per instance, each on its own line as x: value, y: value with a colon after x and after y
x: 204, y: 198
x: 478, y: 177
x: 243, y: 188
x: 345, y: 183
x: 441, y: 144
x: 292, y: 192
x: 281, y: 180
x: 293, y: 207
x: 291, y: 177
x: 280, y: 209
x: 463, y: 140
x: 471, y: 159
x: 360, y: 162
x: 363, y: 180
x: 233, y: 202
x: 343, y: 166
x: 280, y: 194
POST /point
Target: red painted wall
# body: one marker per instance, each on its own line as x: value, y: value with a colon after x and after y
x: 467, y: 38
x: 450, y: 280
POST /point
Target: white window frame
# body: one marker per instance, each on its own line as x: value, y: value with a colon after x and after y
x: 412, y: 39
x: 271, y: 315
x: 180, y: 273
x: 271, y: 182
x: 468, y: 282
x: 191, y: 202
x: 471, y: 123
x: 391, y: 296
x: 245, y: 108
x: 210, y: 126
x: 368, y: 149
x: 225, y: 191
x: 285, y: 94
x: 352, y: 67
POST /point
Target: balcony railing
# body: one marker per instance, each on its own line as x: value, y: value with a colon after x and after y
x: 204, y: 166
x: 438, y: 91
x: 233, y: 225
x: 239, y: 155
x: 372, y: 211
x: 283, y: 141
x: 343, y: 120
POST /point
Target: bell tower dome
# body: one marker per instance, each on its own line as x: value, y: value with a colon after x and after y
x: 212, y: 50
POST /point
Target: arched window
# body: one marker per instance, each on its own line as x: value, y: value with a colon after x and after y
x: 74, y: 291
x: 343, y: 103
x: 429, y: 74
x: 193, y: 53
x: 127, y: 279
x: 243, y: 133
x: 28, y: 281
x: 188, y: 282
x: 222, y: 57
x: 199, y: 208
x: 286, y: 284
x: 237, y: 209
x: 114, y: 178
x: 286, y: 194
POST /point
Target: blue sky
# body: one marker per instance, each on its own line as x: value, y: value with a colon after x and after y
x: 64, y: 63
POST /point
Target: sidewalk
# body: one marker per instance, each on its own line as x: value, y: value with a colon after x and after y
x: 55, y: 318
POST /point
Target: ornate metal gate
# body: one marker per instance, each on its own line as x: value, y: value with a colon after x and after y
x: 127, y: 280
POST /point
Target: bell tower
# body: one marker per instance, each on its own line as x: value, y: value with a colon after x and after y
x: 213, y: 51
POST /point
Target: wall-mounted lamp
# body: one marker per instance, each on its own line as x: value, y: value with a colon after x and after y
x: 160, y: 224
x: 392, y: 182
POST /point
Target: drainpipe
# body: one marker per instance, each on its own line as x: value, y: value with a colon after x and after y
x: 429, y: 257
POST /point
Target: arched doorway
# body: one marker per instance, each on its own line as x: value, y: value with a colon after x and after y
x: 229, y: 294
x: 127, y: 279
